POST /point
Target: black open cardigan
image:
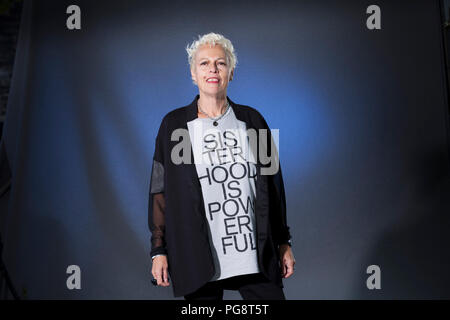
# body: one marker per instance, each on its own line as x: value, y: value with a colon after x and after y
x: 176, y: 212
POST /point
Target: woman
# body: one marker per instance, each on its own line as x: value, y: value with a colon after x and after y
x: 217, y: 220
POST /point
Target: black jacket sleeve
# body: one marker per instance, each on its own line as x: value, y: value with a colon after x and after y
x: 156, y: 204
x: 277, y: 209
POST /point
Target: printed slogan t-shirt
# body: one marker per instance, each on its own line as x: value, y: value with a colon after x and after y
x: 227, y: 172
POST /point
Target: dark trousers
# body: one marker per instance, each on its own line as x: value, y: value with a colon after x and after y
x: 253, y: 286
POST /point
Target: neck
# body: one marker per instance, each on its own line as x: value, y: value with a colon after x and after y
x: 214, y: 106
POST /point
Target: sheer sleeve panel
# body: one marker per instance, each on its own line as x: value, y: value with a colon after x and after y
x: 156, y: 204
x: 157, y: 224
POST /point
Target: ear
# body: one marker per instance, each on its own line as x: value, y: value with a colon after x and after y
x: 231, y: 74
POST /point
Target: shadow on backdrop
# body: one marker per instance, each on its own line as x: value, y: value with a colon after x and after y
x: 413, y: 254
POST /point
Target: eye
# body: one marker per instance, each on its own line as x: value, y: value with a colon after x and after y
x: 202, y: 63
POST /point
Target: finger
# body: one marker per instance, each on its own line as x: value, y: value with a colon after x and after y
x: 283, y: 269
x: 290, y: 269
x: 159, y: 277
x: 166, y: 283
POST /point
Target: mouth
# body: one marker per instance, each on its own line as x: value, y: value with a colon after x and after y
x: 212, y: 80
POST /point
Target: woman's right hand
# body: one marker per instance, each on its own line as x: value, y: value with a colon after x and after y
x: 160, y: 270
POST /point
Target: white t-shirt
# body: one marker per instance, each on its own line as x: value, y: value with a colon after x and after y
x: 227, y: 172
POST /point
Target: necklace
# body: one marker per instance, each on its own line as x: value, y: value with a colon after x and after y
x: 215, y: 123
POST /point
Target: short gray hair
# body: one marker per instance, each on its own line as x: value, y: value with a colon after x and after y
x: 212, y: 39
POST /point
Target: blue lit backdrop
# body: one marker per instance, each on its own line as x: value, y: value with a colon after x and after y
x: 363, y: 142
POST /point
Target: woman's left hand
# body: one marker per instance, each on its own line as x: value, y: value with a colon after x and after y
x: 287, y: 261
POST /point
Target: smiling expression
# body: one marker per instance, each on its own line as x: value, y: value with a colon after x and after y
x: 211, y: 70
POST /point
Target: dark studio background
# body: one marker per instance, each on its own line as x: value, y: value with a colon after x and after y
x: 363, y: 119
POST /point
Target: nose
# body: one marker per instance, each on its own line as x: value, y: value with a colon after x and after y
x: 213, y: 68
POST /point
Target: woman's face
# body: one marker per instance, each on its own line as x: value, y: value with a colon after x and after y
x: 210, y: 70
